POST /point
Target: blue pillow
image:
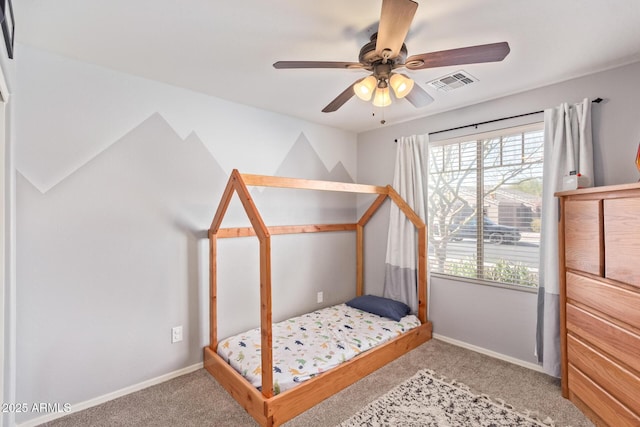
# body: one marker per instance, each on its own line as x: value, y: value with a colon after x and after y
x: 384, y: 307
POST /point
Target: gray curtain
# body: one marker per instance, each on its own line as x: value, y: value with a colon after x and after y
x: 410, y: 181
x: 568, y: 147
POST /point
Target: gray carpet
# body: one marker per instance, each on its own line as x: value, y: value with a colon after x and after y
x: 197, y: 399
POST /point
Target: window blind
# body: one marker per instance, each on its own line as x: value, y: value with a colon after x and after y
x: 484, y: 203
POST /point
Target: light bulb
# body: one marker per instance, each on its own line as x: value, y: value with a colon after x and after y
x: 401, y: 85
x: 382, y: 98
x: 364, y: 89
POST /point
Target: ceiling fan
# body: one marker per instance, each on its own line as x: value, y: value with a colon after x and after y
x: 386, y: 52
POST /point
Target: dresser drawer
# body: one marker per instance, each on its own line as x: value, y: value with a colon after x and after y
x: 619, y: 303
x: 613, y: 340
x: 618, y: 381
x: 622, y: 240
x: 599, y: 401
x: 583, y: 243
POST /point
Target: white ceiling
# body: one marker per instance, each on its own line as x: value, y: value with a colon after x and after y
x: 227, y: 48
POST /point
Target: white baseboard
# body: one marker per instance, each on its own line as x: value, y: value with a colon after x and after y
x: 524, y: 364
x: 77, y: 407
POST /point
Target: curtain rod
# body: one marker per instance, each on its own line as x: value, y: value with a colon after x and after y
x: 597, y: 101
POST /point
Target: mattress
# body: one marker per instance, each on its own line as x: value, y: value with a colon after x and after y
x: 308, y: 345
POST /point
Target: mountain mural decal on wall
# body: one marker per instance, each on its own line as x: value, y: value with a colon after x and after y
x: 302, y: 161
x: 151, y: 145
x: 284, y: 206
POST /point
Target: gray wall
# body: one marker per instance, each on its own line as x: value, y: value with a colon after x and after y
x: 118, y: 179
x: 496, y: 319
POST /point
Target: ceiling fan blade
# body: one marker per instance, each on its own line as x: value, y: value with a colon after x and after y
x: 341, y: 99
x: 465, y: 55
x: 395, y: 20
x: 419, y: 97
x: 317, y: 64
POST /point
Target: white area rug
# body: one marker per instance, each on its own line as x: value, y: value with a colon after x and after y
x: 426, y: 400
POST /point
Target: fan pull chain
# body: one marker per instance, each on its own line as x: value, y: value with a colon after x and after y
x: 382, y: 121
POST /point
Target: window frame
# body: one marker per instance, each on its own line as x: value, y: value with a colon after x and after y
x: 506, y: 131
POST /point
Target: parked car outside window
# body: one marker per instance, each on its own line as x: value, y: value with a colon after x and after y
x: 493, y: 232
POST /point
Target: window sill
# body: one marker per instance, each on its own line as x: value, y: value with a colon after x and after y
x: 517, y: 288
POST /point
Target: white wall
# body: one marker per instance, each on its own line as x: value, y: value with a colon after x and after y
x: 7, y: 282
x: 4, y: 206
x: 118, y: 180
x: 499, y: 320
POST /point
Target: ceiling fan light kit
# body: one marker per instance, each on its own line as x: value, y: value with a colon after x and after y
x: 382, y: 98
x: 386, y: 52
x: 364, y: 89
x: 401, y: 85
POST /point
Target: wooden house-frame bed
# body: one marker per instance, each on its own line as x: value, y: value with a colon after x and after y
x: 266, y: 407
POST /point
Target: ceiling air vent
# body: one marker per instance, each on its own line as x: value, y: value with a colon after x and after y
x: 452, y: 81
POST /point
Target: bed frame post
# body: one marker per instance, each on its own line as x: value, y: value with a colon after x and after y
x: 423, y: 296
x: 265, y: 317
x: 359, y: 260
x: 213, y: 291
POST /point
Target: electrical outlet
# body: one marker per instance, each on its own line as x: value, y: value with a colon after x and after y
x: 320, y: 297
x: 176, y: 334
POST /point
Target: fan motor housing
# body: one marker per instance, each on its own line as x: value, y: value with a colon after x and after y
x: 369, y: 56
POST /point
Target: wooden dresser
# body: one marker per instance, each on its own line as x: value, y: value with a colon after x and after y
x: 599, y: 237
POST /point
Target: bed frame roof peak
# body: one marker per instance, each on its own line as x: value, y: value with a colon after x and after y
x: 239, y: 182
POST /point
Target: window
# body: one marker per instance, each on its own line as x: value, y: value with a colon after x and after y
x: 484, y: 203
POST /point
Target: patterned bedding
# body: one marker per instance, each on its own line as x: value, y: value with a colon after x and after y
x: 310, y: 344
